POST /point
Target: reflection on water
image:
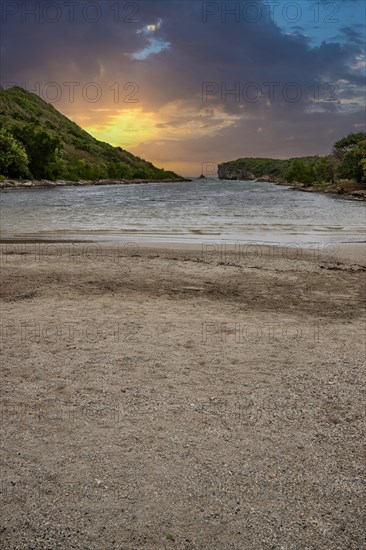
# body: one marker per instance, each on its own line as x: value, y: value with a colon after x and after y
x: 195, y: 211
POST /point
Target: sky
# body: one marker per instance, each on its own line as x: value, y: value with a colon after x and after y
x: 188, y: 84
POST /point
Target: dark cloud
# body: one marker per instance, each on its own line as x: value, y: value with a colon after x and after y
x: 353, y: 36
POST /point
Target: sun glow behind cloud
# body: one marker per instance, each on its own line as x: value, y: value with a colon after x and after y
x: 127, y: 128
x: 177, y: 120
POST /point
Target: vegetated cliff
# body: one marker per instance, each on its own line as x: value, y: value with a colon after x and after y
x: 37, y: 142
x: 249, y: 169
x: 343, y: 172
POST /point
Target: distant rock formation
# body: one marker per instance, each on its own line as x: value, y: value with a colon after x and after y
x: 227, y: 171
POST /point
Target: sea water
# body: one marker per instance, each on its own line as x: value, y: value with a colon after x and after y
x: 190, y: 212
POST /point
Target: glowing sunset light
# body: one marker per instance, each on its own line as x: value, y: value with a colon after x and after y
x: 126, y: 129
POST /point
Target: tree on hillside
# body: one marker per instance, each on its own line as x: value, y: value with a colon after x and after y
x: 350, y: 153
x: 300, y: 172
x: 13, y: 157
x: 43, y: 149
x: 324, y: 169
x: 346, y: 144
x: 363, y: 164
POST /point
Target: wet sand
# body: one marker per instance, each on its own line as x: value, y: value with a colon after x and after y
x: 174, y: 397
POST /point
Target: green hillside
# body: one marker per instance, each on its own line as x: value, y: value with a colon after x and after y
x: 347, y: 162
x: 38, y: 142
x: 276, y: 169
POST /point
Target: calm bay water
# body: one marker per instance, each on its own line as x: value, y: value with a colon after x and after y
x: 209, y: 211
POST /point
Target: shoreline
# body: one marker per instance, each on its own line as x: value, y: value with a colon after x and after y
x: 30, y: 184
x: 338, y: 192
x: 345, y: 252
x: 358, y: 194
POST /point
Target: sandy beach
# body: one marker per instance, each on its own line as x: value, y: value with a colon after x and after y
x: 165, y: 397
